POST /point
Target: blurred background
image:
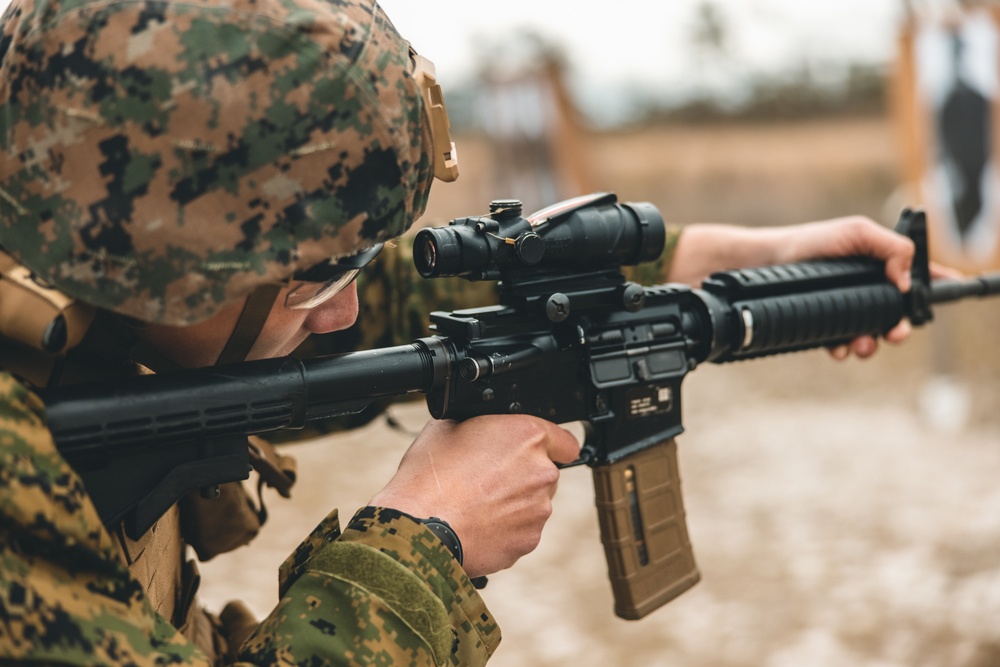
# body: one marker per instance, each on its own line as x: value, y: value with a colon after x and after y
x: 841, y: 513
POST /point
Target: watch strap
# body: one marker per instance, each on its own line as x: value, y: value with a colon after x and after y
x: 449, y: 538
x: 446, y: 534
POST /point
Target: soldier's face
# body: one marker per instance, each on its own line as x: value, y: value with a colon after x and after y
x: 199, y: 345
x: 286, y: 329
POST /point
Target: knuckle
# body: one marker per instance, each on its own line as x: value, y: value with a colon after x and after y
x: 545, y: 511
x: 549, y: 475
x: 530, y: 540
x: 533, y: 433
x: 859, y: 225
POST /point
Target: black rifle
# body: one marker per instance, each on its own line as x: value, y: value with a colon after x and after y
x: 570, y: 340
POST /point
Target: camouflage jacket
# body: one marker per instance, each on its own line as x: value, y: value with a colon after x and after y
x: 346, y: 598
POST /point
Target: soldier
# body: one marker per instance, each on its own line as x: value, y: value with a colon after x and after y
x: 211, y: 176
x: 190, y: 169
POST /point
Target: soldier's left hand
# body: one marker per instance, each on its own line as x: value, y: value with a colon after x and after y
x: 705, y: 248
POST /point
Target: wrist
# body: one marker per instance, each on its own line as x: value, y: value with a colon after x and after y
x: 441, y: 528
x: 444, y: 532
x: 449, y: 538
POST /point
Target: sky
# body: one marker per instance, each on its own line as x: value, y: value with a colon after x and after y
x: 647, y: 39
x: 650, y: 44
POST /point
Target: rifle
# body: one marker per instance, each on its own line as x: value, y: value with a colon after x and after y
x: 570, y: 340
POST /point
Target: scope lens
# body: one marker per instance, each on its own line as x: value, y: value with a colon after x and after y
x: 426, y: 255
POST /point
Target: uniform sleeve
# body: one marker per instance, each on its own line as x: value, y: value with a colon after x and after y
x: 65, y: 598
x: 384, y: 592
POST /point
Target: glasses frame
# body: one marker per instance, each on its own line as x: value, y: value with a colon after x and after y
x: 321, y: 282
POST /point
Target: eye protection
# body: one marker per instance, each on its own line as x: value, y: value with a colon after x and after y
x: 320, y: 283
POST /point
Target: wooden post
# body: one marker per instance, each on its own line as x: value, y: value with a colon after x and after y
x: 537, y: 141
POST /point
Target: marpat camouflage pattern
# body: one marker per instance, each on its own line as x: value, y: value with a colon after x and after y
x: 161, y: 159
x: 346, y: 599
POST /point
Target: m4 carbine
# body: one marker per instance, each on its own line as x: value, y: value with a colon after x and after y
x: 571, y: 340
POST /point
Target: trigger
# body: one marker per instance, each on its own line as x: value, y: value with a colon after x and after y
x: 586, y: 456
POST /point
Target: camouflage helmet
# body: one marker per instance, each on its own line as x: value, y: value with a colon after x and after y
x: 163, y: 159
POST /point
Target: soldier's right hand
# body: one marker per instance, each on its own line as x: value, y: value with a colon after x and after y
x: 491, y: 478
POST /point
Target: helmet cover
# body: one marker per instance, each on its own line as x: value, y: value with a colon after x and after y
x: 162, y: 159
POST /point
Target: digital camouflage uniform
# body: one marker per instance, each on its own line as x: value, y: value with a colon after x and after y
x: 386, y: 591
x: 161, y: 160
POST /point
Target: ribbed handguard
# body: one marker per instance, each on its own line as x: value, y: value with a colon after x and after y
x: 803, y: 321
x: 805, y: 305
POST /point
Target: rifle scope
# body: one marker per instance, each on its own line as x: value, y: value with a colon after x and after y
x: 589, y: 233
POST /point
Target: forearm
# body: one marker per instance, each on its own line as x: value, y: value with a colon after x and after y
x: 705, y: 248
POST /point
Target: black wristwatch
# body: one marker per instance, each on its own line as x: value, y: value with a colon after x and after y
x: 449, y: 538
x: 446, y: 534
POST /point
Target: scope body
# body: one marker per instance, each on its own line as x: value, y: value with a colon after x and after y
x: 586, y: 233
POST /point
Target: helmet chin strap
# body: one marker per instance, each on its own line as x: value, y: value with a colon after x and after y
x: 249, y: 325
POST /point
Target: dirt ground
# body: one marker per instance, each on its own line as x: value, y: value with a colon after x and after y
x: 841, y: 513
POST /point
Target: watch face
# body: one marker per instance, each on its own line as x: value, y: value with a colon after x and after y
x: 446, y: 534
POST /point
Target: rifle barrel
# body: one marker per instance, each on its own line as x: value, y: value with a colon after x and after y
x: 943, y: 291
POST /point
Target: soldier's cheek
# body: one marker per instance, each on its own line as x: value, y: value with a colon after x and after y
x: 338, y: 313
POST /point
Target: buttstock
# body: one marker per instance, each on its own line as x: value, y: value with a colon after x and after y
x: 643, y: 529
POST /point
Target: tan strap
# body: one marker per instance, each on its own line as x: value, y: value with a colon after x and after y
x: 249, y: 325
x: 213, y: 526
x: 276, y: 470
x: 198, y: 625
x: 238, y: 623
x: 156, y: 560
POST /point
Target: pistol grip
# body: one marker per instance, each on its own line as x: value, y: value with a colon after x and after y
x: 641, y: 513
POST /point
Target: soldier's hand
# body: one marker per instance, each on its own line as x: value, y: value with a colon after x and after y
x: 705, y: 248
x: 491, y: 478
x: 857, y: 235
